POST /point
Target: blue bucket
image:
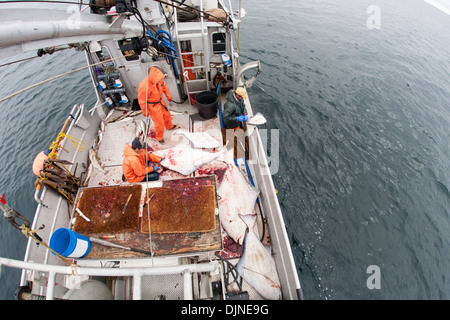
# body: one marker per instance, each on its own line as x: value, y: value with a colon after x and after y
x: 70, y: 244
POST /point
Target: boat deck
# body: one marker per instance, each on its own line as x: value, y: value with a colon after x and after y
x: 116, y: 134
x: 119, y: 128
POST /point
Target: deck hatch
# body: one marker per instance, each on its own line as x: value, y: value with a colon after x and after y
x: 180, y: 209
x: 104, y: 205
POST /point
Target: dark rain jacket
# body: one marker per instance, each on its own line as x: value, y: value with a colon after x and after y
x: 233, y: 108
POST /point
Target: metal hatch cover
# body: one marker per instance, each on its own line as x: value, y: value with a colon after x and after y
x: 180, y: 209
x: 104, y: 206
x: 162, y: 243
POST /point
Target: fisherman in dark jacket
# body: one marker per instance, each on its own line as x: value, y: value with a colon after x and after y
x: 234, y: 109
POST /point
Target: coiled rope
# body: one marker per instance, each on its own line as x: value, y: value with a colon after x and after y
x: 78, y: 145
x: 28, y: 232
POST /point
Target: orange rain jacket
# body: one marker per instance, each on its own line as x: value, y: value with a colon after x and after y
x: 134, y: 164
x: 151, y: 101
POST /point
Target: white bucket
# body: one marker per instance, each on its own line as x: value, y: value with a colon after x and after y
x: 226, y: 60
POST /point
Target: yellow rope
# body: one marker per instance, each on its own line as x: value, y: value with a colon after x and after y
x: 31, y: 233
x: 78, y: 144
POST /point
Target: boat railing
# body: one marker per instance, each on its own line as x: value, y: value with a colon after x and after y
x: 186, y: 271
x: 280, y: 241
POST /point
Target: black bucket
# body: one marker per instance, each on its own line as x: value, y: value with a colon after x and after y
x: 207, y: 104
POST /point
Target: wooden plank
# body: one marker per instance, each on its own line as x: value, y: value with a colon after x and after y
x: 163, y: 244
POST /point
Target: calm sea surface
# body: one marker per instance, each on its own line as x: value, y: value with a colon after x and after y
x: 360, y: 93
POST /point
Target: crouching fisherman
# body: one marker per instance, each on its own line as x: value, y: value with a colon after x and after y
x: 136, y: 163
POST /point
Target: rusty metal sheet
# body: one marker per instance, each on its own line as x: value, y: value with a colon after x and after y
x: 103, y: 206
x: 180, y: 209
x: 165, y: 243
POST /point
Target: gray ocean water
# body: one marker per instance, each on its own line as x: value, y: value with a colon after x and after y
x: 360, y: 93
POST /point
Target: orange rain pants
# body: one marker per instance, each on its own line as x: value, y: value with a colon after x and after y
x: 151, y: 101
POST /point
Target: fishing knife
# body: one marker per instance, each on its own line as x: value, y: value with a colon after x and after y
x: 126, y: 204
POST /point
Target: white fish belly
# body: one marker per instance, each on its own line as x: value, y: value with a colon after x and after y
x: 237, y: 197
x: 184, y: 159
x: 258, y: 269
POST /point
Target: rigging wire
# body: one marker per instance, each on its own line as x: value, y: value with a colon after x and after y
x: 59, y: 76
x: 21, y: 60
x: 147, y: 124
x: 54, y: 1
x: 40, y: 53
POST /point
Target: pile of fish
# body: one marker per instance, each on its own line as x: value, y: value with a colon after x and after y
x: 237, y: 199
x: 184, y: 159
x: 257, y: 266
x: 236, y: 212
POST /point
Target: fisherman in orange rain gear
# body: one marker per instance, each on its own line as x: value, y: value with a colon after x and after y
x: 151, y: 101
x: 136, y: 162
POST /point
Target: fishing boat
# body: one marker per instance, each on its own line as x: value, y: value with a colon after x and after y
x: 211, y: 227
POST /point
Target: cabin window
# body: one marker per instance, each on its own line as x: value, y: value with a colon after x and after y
x: 132, y: 48
x: 104, y: 55
x: 219, y: 42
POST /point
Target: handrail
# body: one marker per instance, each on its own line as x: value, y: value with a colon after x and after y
x: 137, y: 273
x: 245, y: 67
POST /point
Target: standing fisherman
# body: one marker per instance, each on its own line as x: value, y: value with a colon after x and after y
x: 151, y: 101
